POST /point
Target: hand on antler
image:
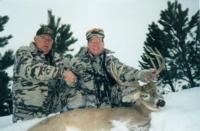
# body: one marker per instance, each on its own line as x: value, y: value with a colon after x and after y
x: 147, y: 75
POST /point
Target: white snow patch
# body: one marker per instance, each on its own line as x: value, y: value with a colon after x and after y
x: 68, y: 128
x: 119, y: 126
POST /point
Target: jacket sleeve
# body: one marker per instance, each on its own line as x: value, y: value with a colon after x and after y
x: 27, y: 67
x: 128, y: 73
x: 78, y: 67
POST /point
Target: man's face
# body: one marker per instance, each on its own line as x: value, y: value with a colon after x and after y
x: 96, y: 46
x: 44, y: 43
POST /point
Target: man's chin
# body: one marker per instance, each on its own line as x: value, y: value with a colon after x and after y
x: 45, y: 51
x: 96, y: 53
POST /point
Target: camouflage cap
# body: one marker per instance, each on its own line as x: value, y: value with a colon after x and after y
x: 97, y: 32
x: 44, y: 30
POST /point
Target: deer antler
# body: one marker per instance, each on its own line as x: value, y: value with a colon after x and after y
x: 159, y: 58
x: 116, y: 76
x: 161, y: 65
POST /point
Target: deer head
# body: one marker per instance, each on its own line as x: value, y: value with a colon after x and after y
x: 147, y: 94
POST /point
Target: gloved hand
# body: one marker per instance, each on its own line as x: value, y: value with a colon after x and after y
x: 147, y: 75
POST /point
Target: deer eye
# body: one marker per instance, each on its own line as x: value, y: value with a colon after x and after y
x: 145, y: 96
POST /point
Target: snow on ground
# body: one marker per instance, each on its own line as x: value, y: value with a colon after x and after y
x: 5, y: 121
x: 182, y: 113
x: 20, y: 126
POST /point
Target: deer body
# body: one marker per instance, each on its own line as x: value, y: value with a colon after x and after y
x: 135, y: 118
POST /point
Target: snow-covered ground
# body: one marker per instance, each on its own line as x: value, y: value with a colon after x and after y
x: 182, y: 113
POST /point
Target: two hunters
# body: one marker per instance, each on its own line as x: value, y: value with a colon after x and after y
x: 43, y: 83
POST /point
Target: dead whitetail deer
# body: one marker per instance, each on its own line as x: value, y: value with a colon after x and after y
x: 136, y: 118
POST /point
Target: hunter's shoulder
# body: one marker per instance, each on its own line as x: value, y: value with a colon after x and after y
x: 23, y: 48
x: 22, y: 51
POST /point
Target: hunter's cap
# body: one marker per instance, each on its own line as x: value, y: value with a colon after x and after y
x: 44, y: 30
x: 95, y: 32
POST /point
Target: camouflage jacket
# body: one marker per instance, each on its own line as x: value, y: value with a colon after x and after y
x: 36, y: 81
x: 96, y: 84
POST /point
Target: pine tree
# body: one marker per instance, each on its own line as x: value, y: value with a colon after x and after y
x: 62, y: 36
x: 177, y: 38
x: 6, y: 61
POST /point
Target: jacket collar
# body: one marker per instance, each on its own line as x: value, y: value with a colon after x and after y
x: 34, y: 49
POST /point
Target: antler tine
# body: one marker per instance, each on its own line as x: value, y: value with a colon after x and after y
x: 116, y: 76
x: 159, y: 59
x: 114, y: 72
x: 151, y: 60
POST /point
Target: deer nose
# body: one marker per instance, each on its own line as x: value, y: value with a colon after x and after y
x: 160, y: 103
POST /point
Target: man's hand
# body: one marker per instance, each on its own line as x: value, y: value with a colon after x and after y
x: 150, y: 75
x: 69, y: 77
x: 147, y: 75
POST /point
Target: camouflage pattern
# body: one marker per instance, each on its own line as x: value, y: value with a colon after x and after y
x: 96, y: 87
x: 38, y: 88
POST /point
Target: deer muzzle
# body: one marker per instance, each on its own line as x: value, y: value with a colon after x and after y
x: 160, y: 103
